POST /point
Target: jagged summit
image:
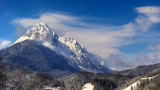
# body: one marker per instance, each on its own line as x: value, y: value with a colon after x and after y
x: 47, y: 37
x: 41, y: 28
x: 40, y: 32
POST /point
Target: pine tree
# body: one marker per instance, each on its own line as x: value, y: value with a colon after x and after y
x: 131, y: 88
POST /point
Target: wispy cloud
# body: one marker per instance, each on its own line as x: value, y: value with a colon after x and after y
x: 149, y: 10
x: 149, y: 57
x: 149, y: 15
x: 20, y: 30
x: 4, y: 43
x: 118, y: 63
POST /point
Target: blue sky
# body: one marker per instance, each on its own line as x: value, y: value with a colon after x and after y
x: 123, y: 33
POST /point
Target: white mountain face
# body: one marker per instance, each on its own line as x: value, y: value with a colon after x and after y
x: 67, y: 47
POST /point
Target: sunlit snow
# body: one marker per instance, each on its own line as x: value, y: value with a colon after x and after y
x: 88, y: 86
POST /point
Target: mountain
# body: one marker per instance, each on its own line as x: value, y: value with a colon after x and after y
x: 140, y: 70
x: 43, y: 50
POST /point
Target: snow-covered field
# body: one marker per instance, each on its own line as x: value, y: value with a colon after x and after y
x: 134, y: 85
x: 88, y: 86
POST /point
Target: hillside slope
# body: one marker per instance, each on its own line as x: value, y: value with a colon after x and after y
x: 140, y: 70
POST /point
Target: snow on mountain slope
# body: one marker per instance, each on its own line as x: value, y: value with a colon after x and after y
x: 67, y: 47
x: 88, y: 86
x: 40, y: 33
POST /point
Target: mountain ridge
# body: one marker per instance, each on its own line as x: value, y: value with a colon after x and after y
x: 139, y: 70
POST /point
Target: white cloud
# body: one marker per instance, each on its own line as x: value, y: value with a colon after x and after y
x: 149, y: 10
x: 99, y: 39
x: 152, y: 56
x: 4, y: 43
x: 116, y: 62
x: 20, y: 30
x: 149, y: 15
x: 143, y: 22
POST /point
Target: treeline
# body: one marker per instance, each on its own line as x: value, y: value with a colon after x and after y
x: 101, y: 81
x: 21, y: 80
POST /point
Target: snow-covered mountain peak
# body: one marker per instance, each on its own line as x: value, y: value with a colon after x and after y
x: 78, y: 49
x: 40, y: 33
x: 67, y: 47
x: 41, y: 27
x: 71, y: 42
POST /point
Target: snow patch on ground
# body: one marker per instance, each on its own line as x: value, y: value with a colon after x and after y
x: 134, y: 85
x: 88, y: 86
x: 85, y: 69
x: 149, y: 77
